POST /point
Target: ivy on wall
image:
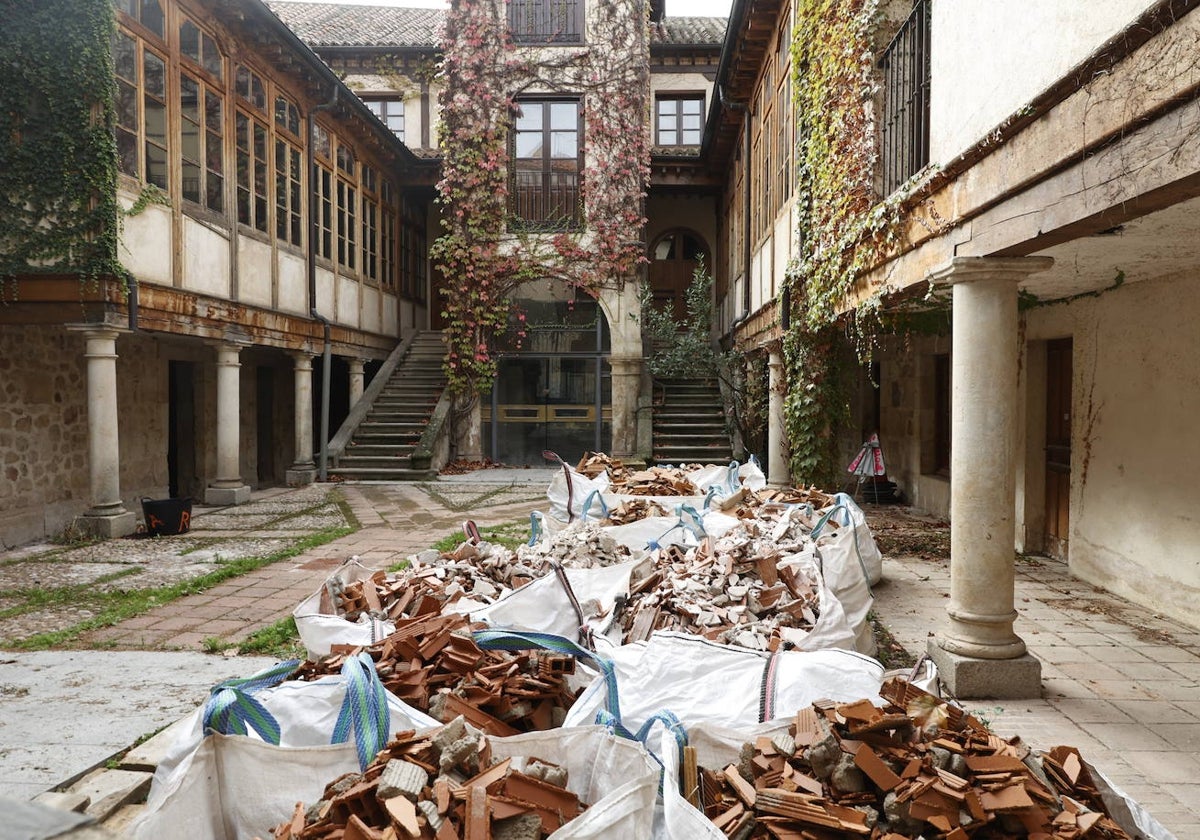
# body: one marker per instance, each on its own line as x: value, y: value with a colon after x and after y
x: 58, y: 159
x: 842, y: 229
x: 484, y: 259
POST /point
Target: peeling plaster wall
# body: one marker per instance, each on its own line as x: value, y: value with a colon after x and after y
x: 991, y: 57
x: 1135, y: 515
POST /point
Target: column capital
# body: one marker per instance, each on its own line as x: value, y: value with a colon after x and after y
x: 355, y: 364
x: 969, y: 269
x: 626, y: 365
x: 302, y: 359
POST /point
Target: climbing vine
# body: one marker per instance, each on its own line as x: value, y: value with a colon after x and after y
x: 842, y: 230
x: 483, y: 256
x: 58, y: 159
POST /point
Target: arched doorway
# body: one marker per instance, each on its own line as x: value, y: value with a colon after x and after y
x: 553, y: 389
x: 673, y: 259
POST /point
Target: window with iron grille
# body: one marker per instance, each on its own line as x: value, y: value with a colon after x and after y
x: 906, y: 71
x: 546, y: 21
x: 544, y: 171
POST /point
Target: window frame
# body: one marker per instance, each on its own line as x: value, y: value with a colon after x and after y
x: 383, y: 113
x: 574, y: 33
x: 678, y: 97
x: 573, y: 219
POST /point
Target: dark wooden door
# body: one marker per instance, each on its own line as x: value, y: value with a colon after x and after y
x: 673, y: 260
x: 1058, y: 446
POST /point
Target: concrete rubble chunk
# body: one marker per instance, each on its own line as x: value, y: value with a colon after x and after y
x: 76, y: 802
x: 402, y: 778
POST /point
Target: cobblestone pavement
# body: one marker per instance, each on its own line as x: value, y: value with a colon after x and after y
x: 1119, y: 682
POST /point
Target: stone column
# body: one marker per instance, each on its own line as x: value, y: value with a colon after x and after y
x: 228, y: 487
x: 978, y: 652
x: 626, y: 384
x: 468, y: 427
x: 107, y: 516
x: 303, y: 471
x: 778, y: 472
x: 356, y: 379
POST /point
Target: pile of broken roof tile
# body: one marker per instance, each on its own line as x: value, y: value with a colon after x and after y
x: 441, y: 785
x: 912, y: 769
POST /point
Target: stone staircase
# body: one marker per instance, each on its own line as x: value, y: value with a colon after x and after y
x: 382, y: 445
x: 689, y: 423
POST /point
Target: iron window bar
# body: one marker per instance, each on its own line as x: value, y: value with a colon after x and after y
x: 906, y: 83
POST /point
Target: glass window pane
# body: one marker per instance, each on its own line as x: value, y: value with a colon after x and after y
x: 668, y: 138
x: 189, y: 98
x: 156, y: 165
x: 564, y: 115
x: 564, y: 144
x: 127, y: 155
x: 258, y: 94
x: 529, y: 145
x: 191, y: 182
x: 213, y: 158
x: 152, y: 16
x: 691, y: 106
x: 156, y: 75
x: 666, y: 106
x: 691, y: 137
x: 125, y: 56
x: 530, y: 118
x: 127, y: 106
x: 690, y: 122
x: 189, y: 40
x: 127, y: 6
x: 212, y: 57
x: 666, y: 122
x: 156, y: 122
x: 212, y: 113
x: 214, y: 193
x: 190, y: 147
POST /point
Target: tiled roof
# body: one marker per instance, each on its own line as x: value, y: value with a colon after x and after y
x: 683, y: 31
x: 345, y: 25
x: 337, y: 25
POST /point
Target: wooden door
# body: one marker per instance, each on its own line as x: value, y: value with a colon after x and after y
x: 672, y: 263
x: 1058, y: 446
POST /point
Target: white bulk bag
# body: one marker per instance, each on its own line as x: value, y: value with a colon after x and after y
x: 319, y: 631
x: 853, y: 538
x: 228, y: 787
x: 703, y: 682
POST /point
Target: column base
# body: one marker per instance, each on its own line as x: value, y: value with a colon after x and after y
x: 968, y: 678
x: 301, y: 475
x: 107, y: 526
x: 227, y: 495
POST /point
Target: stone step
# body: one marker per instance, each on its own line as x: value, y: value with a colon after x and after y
x: 383, y: 474
x: 379, y: 450
x: 395, y: 462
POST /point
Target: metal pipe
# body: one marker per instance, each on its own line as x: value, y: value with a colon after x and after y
x: 132, y: 289
x: 311, y: 253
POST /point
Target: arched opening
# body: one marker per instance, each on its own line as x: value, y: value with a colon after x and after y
x: 553, y: 389
x: 673, y: 259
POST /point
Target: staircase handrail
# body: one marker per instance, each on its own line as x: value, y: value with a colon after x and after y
x: 358, y: 411
x: 423, y: 455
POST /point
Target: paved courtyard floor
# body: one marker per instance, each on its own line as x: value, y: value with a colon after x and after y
x: 1119, y: 682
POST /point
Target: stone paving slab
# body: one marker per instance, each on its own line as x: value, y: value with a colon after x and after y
x: 63, y: 712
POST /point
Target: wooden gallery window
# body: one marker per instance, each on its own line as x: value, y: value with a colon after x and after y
x: 202, y: 118
x: 370, y: 223
x: 678, y: 119
x: 289, y: 180
x: 387, y: 235
x: 148, y: 13
x: 414, y: 250
x: 347, y: 207
x: 141, y: 105
x: 323, y: 187
x: 251, y: 171
x: 545, y: 166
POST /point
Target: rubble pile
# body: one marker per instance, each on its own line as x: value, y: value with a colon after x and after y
x: 653, y: 481
x: 584, y: 546
x: 434, y: 580
x: 915, y: 768
x: 432, y: 663
x: 441, y: 785
x: 733, y: 591
x: 634, y: 510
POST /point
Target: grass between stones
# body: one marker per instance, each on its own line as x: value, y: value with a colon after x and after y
x: 114, y: 607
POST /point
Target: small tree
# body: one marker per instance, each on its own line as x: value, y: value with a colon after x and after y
x: 686, y: 349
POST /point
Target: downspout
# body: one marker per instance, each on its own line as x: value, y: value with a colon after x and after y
x: 132, y: 303
x: 311, y: 253
x: 744, y: 109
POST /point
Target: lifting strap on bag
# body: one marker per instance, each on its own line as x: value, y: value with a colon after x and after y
x: 231, y: 707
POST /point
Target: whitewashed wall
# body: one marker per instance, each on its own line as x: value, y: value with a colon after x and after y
x: 991, y: 57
